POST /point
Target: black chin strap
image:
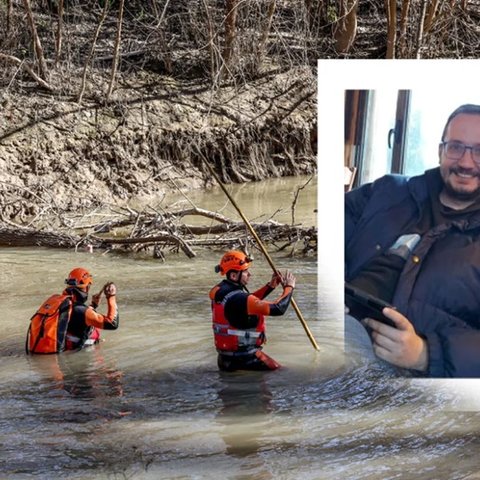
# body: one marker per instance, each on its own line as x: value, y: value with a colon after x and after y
x: 236, y: 283
x: 80, y: 295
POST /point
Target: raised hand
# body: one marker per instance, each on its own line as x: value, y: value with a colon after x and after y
x: 288, y: 279
x: 275, y: 280
x: 110, y: 289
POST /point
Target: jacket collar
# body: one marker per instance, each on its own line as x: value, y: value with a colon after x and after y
x: 419, y: 185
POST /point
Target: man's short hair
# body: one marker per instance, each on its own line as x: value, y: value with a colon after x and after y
x: 468, y: 109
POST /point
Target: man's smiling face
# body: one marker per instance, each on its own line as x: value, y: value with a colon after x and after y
x: 461, y: 176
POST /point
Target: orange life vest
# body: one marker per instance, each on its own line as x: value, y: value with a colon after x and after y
x: 48, y: 327
x: 229, y: 339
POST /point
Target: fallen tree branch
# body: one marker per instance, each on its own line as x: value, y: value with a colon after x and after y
x: 29, y: 237
x: 25, y: 66
x: 152, y: 230
x: 163, y: 238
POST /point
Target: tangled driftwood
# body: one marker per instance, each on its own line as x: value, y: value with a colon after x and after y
x: 130, y: 230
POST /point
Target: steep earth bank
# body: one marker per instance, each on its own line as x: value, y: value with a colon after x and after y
x: 151, y: 139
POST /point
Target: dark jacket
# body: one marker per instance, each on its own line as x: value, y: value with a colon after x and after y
x: 439, y: 287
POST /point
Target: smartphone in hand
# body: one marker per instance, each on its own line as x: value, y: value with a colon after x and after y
x: 362, y: 305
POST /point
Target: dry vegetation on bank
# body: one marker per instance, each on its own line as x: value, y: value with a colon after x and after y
x: 101, y: 114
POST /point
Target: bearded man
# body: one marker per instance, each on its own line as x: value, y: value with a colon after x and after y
x: 415, y: 243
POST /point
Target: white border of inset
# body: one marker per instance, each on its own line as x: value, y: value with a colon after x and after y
x: 334, y: 77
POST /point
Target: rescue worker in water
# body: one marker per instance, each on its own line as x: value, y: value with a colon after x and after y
x: 239, y: 316
x: 85, y: 322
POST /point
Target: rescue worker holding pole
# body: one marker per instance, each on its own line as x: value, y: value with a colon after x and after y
x: 238, y: 315
x: 261, y: 247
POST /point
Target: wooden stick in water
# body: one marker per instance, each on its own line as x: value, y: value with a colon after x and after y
x: 263, y: 249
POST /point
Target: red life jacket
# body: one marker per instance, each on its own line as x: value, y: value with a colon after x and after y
x: 229, y: 339
x: 48, y: 327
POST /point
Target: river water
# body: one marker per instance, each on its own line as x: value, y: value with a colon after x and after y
x: 149, y: 402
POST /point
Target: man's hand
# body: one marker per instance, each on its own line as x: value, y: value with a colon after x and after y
x: 400, y: 346
x: 110, y: 289
x: 275, y: 280
x: 288, y: 279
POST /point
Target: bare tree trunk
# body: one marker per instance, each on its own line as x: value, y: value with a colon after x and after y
x: 58, y: 43
x: 92, y: 49
x: 317, y: 12
x: 309, y: 9
x: 154, y: 7
x: 430, y: 15
x: 265, y: 33
x: 391, y: 8
x: 420, y: 29
x: 346, y: 28
x: 36, y: 41
x: 167, y: 58
x: 464, y: 4
x: 117, y: 49
x: 402, y: 47
x: 9, y: 15
x: 211, y: 44
x: 230, y: 31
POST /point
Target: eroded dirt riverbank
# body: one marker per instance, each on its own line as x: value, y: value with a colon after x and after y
x: 152, y: 140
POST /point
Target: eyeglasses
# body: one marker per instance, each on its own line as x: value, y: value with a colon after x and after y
x: 456, y: 150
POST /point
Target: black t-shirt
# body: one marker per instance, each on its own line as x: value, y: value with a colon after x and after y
x: 237, y: 313
x: 380, y: 276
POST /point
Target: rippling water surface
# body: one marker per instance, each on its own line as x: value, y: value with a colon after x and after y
x: 149, y: 402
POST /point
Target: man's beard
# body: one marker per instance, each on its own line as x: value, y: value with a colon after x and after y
x: 461, y: 194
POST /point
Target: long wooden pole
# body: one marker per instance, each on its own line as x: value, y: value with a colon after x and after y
x: 263, y: 249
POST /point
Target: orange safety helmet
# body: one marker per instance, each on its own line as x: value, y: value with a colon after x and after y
x: 80, y: 278
x: 233, y: 260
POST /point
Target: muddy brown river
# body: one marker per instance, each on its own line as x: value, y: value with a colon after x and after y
x: 149, y: 403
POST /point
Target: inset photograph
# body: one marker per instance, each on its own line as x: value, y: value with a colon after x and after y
x: 412, y: 236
